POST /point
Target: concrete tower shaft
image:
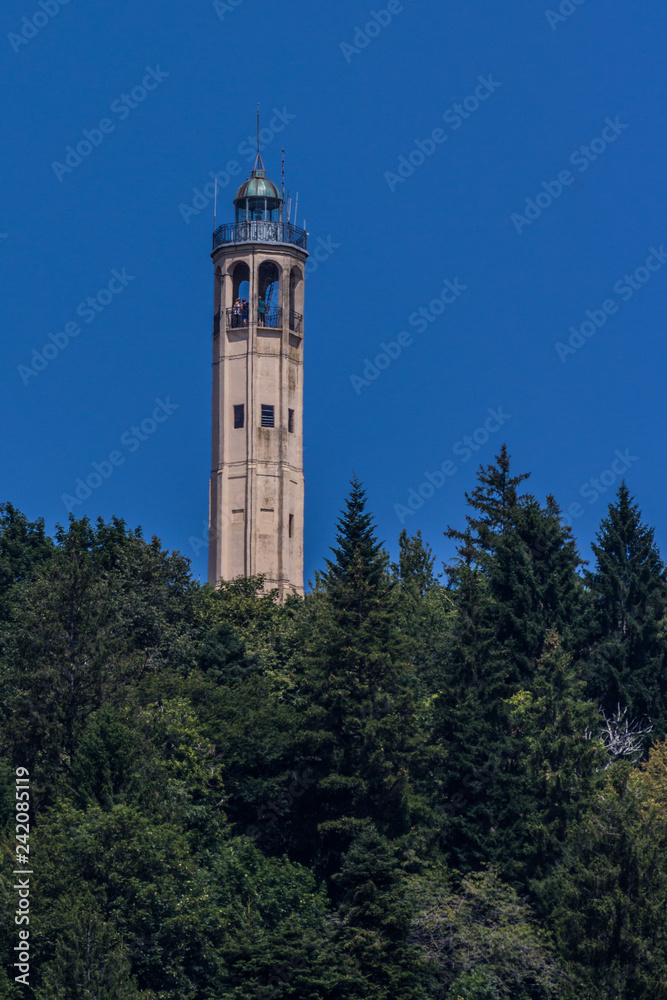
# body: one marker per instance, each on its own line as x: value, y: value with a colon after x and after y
x: 257, y: 483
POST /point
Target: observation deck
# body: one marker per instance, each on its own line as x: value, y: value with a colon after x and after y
x: 260, y: 231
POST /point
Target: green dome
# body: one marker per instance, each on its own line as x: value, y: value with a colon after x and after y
x: 257, y: 187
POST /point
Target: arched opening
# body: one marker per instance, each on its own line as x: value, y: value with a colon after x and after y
x: 295, y: 300
x: 268, y: 304
x: 238, y: 314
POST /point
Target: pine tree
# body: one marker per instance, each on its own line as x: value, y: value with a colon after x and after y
x: 493, y: 502
x: 560, y: 768
x: 535, y: 586
x: 24, y: 545
x: 629, y: 589
x: 470, y: 722
x: 414, y: 569
x: 609, y: 896
x: 515, y: 580
x: 360, y: 731
x: 373, y: 936
x: 356, y: 580
x: 103, y: 612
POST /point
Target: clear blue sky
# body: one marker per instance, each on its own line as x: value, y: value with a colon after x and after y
x: 348, y: 111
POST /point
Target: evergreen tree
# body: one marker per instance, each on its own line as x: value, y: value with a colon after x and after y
x: 560, y: 768
x: 470, y: 722
x: 515, y: 580
x: 90, y: 961
x: 534, y: 585
x: 629, y: 590
x: 232, y: 797
x: 360, y: 728
x: 609, y: 896
x: 374, y: 924
x: 23, y: 546
x: 414, y: 570
x: 492, y: 502
x: 356, y: 580
x: 101, y: 614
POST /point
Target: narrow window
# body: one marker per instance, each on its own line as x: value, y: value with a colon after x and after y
x: 290, y: 421
x: 267, y: 416
x: 291, y: 525
x: 239, y: 415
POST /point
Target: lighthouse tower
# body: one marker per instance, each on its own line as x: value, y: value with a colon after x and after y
x: 257, y: 483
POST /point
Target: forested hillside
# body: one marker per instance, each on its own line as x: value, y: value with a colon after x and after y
x: 407, y: 785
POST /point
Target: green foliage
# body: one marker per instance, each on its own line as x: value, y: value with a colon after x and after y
x: 388, y: 789
x: 23, y: 546
x: 245, y: 628
x: 105, y: 767
x: 102, y: 613
x: 629, y: 591
x: 492, y: 505
x: 275, y: 940
x: 533, y: 579
x: 90, y: 960
x: 414, y: 569
x: 360, y: 720
x: 374, y: 923
x: 474, y: 986
x: 484, y: 936
x: 609, y: 896
x: 515, y: 581
x: 561, y: 768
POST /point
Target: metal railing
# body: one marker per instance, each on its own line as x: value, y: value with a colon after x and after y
x: 270, y: 318
x: 260, y: 232
x: 236, y: 318
x: 295, y: 321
